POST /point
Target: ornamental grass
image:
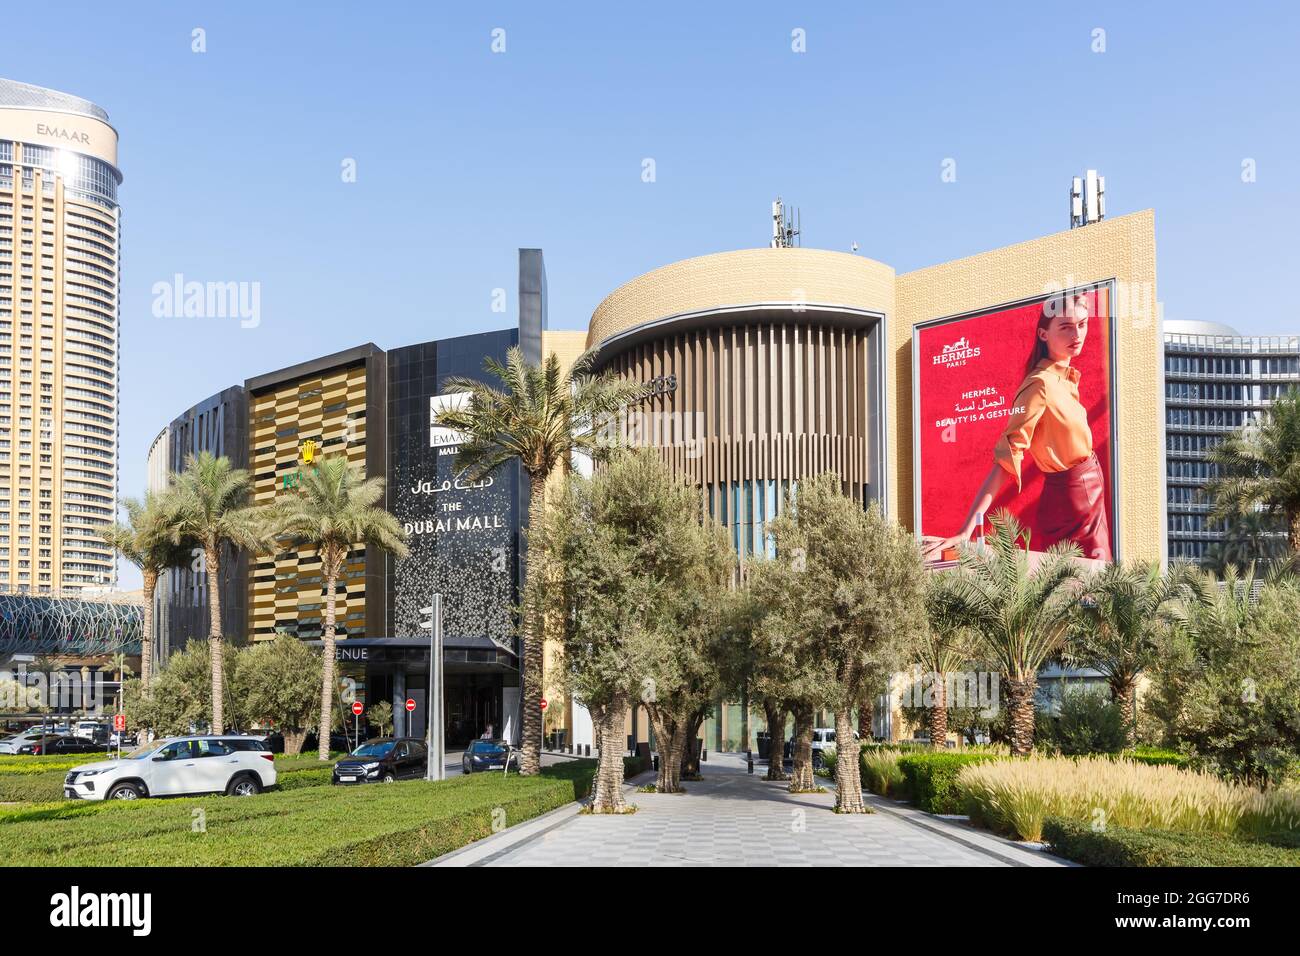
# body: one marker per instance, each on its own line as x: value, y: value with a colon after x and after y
x: 1015, y: 797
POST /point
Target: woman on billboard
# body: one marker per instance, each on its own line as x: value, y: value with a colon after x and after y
x: 1050, y: 423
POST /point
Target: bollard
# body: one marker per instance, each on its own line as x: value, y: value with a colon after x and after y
x: 654, y: 761
x: 587, y: 747
x: 749, y: 760
x: 704, y: 755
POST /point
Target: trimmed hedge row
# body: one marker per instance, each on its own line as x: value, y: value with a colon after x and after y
x: 1117, y: 846
x: 1157, y: 756
x: 931, y: 778
x: 47, y: 785
x: 396, y: 825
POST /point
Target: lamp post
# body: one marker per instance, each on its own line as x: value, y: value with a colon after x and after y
x: 435, y: 770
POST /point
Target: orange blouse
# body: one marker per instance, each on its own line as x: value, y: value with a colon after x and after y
x: 1048, y: 420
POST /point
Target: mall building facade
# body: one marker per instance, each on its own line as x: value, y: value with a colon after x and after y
x: 762, y: 367
x: 376, y: 408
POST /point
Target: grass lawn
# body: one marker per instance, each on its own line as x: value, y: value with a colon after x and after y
x: 375, y: 825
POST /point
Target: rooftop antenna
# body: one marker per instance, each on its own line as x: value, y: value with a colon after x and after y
x: 786, y: 226
x: 1087, y: 199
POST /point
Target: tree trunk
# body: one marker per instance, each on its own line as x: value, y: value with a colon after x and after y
x: 775, y: 713
x: 848, y: 775
x: 1121, y: 691
x: 1293, y: 530
x: 669, y: 736
x: 607, y: 789
x: 1020, y: 714
x: 801, y: 776
x: 216, y: 640
x: 293, y: 741
x: 937, y: 716
x: 330, y: 567
x: 146, y: 638
x: 690, y: 747
x: 532, y: 634
x: 864, y: 718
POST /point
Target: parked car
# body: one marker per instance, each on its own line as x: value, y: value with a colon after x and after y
x: 10, y: 745
x: 59, y: 744
x: 90, y: 729
x: 173, y: 767
x: 383, y: 760
x: 485, y: 755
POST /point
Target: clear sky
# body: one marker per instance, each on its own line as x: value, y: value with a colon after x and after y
x: 233, y: 157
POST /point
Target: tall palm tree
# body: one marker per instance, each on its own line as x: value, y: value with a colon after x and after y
x: 1259, y: 467
x: 540, y: 415
x: 208, y: 509
x: 1118, y: 626
x: 332, y: 510
x: 145, y: 540
x: 1247, y: 539
x: 1020, y: 615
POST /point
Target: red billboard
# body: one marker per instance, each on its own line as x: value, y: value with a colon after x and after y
x: 1014, y: 409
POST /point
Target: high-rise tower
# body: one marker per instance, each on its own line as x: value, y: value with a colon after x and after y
x: 59, y: 275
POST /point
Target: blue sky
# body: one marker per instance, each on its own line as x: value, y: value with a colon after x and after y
x: 232, y: 158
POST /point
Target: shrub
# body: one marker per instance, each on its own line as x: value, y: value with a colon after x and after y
x: 880, y: 772
x: 1120, y: 846
x: 32, y: 787
x: 1015, y: 797
x: 634, y: 767
x: 1088, y: 722
x: 931, y: 778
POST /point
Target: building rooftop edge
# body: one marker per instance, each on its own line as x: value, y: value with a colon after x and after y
x: 26, y: 96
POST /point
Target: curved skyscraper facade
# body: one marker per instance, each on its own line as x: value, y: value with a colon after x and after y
x: 59, y: 273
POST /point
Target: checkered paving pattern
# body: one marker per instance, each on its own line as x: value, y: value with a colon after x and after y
x: 732, y: 819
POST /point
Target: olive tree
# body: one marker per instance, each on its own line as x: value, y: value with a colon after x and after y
x: 859, y: 603
x: 280, y: 684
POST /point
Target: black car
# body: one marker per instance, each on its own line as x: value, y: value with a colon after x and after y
x: 39, y: 746
x: 485, y: 755
x: 384, y: 760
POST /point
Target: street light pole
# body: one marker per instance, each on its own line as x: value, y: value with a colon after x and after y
x: 435, y: 770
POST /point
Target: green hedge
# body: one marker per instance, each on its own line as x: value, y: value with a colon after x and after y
x: 931, y: 778
x: 1157, y: 756
x: 32, y: 787
x: 1117, y: 846
x: 397, y: 825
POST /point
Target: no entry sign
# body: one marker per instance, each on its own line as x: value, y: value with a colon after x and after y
x: 543, y: 704
x: 410, y: 705
x: 357, y: 707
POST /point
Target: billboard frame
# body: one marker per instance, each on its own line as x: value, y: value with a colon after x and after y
x: 1113, y: 384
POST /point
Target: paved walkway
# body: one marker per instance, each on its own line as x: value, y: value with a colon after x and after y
x: 732, y: 819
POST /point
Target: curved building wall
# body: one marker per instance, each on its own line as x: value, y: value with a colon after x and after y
x: 764, y: 367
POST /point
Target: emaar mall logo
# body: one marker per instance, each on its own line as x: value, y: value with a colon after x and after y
x: 957, y: 353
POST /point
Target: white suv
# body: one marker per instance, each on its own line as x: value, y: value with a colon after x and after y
x: 176, y: 766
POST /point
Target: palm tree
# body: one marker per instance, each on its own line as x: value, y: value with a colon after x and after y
x: 145, y: 540
x: 945, y: 646
x: 1247, y: 539
x: 1259, y: 468
x: 1117, y: 628
x: 207, y: 509
x: 1020, y: 615
x: 332, y: 510
x: 540, y: 415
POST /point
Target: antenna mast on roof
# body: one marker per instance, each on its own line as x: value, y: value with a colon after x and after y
x: 786, y: 226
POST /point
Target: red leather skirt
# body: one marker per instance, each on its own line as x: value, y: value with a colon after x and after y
x: 1072, y: 507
